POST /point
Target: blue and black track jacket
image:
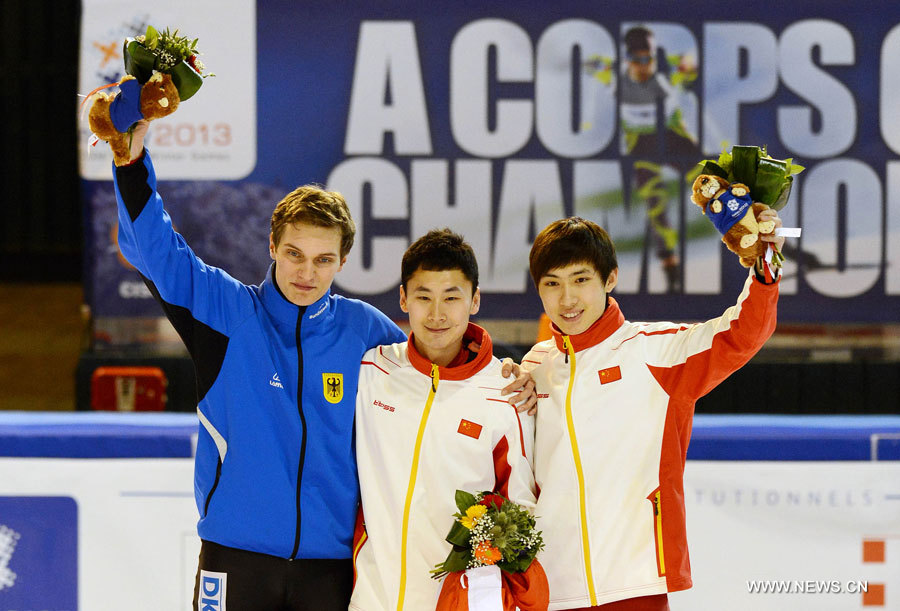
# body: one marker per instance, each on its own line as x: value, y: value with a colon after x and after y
x: 275, y: 470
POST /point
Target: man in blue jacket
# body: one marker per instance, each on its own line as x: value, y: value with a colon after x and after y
x: 277, y: 364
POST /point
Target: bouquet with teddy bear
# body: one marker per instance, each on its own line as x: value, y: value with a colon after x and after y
x: 732, y: 190
x: 162, y: 70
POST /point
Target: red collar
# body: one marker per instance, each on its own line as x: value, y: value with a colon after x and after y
x: 602, y: 328
x: 473, y: 333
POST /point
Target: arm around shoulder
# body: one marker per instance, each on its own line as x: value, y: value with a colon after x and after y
x: 380, y: 330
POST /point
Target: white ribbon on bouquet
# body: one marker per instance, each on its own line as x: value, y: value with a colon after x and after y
x: 485, y: 588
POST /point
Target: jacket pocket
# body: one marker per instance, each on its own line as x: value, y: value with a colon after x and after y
x: 213, y: 488
x: 656, y: 503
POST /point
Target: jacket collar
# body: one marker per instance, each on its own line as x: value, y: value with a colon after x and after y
x: 473, y: 333
x: 602, y: 328
x: 286, y: 312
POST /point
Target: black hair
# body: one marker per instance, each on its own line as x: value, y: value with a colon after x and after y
x: 638, y: 39
x: 569, y: 241
x: 439, y: 250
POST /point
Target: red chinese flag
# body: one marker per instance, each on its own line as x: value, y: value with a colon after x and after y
x: 610, y: 374
x: 469, y: 428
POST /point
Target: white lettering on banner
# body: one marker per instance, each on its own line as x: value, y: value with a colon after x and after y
x: 471, y: 205
x: 823, y: 498
x: 498, y: 204
x: 388, y: 194
x: 531, y: 194
x: 852, y: 265
x: 387, y: 66
x: 892, y: 269
x: 570, y: 133
x: 889, y: 90
x: 809, y: 586
x: 8, y: 541
x: 134, y: 290
x: 469, y: 84
x: 831, y: 97
x: 726, y: 86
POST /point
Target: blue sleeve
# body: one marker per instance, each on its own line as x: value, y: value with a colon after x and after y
x: 178, y: 276
x: 381, y: 329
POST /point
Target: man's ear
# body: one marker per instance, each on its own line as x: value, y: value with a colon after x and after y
x: 271, y: 247
x: 476, y: 302
x: 613, y: 280
x: 341, y: 266
x: 403, y: 306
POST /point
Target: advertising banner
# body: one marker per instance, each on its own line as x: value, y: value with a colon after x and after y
x: 97, y: 534
x: 497, y: 119
x: 120, y: 534
x: 792, y: 535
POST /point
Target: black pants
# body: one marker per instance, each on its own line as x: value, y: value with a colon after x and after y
x: 259, y: 582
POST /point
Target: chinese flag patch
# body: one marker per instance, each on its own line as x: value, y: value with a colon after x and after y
x: 610, y: 374
x: 469, y: 428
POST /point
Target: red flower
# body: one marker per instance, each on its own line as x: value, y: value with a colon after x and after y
x: 495, y: 499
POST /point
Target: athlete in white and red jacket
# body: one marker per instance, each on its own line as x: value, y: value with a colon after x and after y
x: 430, y: 420
x: 616, y: 403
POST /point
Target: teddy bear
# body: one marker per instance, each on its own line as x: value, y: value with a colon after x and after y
x: 111, y: 117
x: 733, y: 212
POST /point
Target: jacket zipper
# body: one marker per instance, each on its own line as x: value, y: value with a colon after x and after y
x: 585, y: 542
x: 302, y: 429
x: 435, y: 379
x: 655, y: 498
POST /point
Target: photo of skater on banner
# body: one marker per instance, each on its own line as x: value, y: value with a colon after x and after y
x: 498, y: 123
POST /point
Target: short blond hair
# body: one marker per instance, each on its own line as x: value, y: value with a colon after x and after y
x: 314, y: 205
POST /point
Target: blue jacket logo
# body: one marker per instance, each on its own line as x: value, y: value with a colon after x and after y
x: 333, y: 387
x: 276, y: 382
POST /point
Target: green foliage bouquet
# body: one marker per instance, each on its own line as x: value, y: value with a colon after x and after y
x: 169, y: 53
x: 768, y: 179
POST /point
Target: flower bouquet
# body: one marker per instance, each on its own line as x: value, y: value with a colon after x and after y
x: 490, y: 529
x: 493, y: 564
x: 165, y: 52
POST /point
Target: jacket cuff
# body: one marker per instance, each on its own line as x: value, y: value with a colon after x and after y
x: 765, y: 276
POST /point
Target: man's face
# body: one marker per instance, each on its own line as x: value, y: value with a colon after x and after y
x: 574, y: 296
x: 306, y: 260
x: 641, y: 66
x: 439, y: 304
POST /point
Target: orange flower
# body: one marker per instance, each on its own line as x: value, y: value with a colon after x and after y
x: 487, y: 554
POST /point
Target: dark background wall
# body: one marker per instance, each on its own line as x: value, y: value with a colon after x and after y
x: 41, y: 219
